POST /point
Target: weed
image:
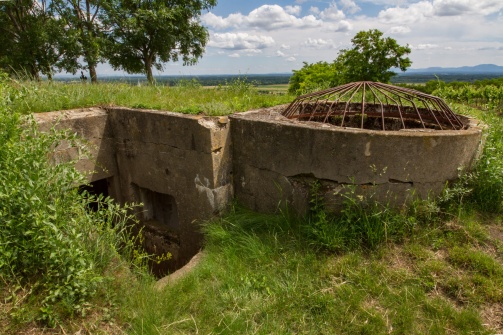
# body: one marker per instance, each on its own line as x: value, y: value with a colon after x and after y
x: 362, y: 222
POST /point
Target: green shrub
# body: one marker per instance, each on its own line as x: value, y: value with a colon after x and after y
x: 50, y: 242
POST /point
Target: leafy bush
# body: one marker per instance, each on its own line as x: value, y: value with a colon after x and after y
x: 314, y: 77
x: 49, y: 241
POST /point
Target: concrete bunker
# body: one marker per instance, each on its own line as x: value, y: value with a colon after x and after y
x: 177, y: 165
x: 184, y: 169
x: 390, y: 143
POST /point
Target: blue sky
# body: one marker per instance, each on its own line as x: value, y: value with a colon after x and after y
x: 257, y: 36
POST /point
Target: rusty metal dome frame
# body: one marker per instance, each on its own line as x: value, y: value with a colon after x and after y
x: 374, y: 105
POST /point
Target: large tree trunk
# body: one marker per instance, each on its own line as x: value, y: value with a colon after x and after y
x: 92, y: 73
x: 148, y: 72
x: 91, y: 65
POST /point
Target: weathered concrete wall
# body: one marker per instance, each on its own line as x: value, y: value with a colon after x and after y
x: 91, y: 125
x: 185, y: 157
x: 275, y: 159
x: 180, y: 165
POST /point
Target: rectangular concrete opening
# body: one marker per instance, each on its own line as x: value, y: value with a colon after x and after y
x: 160, y: 227
x: 159, y: 210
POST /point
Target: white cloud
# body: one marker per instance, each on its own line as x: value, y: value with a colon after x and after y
x: 491, y: 48
x: 270, y: 17
x: 424, y: 46
x: 399, y: 30
x: 318, y: 43
x: 219, y: 22
x: 291, y: 59
x: 422, y: 10
x: 332, y: 13
x: 460, y: 7
x: 240, y: 41
x: 350, y: 6
x: 279, y: 53
x: 294, y: 10
x: 267, y: 17
x: 235, y: 55
x: 314, y: 10
x: 414, y: 13
x: 343, y: 26
x: 254, y: 51
x: 285, y: 46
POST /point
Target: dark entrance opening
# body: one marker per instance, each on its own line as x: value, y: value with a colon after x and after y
x: 160, y: 228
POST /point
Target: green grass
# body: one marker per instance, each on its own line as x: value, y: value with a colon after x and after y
x: 260, y: 276
x: 273, y: 89
x: 188, y: 98
x: 434, y: 268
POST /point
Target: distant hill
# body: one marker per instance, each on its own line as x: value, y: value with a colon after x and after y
x: 477, y: 69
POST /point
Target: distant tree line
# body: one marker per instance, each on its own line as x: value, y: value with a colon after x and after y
x: 41, y: 37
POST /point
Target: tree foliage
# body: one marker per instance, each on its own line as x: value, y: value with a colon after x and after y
x: 81, y: 20
x: 313, y: 77
x: 44, y: 36
x: 32, y: 40
x: 144, y: 34
x: 370, y: 59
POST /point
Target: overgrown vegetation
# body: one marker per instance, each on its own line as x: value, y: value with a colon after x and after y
x: 484, y: 94
x: 187, y: 97
x: 434, y: 267
x: 56, y: 254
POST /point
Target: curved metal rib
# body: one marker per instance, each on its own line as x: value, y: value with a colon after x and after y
x: 365, y: 98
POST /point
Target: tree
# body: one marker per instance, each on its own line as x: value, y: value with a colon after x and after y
x: 32, y: 40
x: 144, y: 34
x: 81, y: 20
x: 313, y: 77
x: 370, y: 59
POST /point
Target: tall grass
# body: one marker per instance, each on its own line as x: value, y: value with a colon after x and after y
x: 485, y: 182
x: 186, y: 97
x: 261, y: 274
